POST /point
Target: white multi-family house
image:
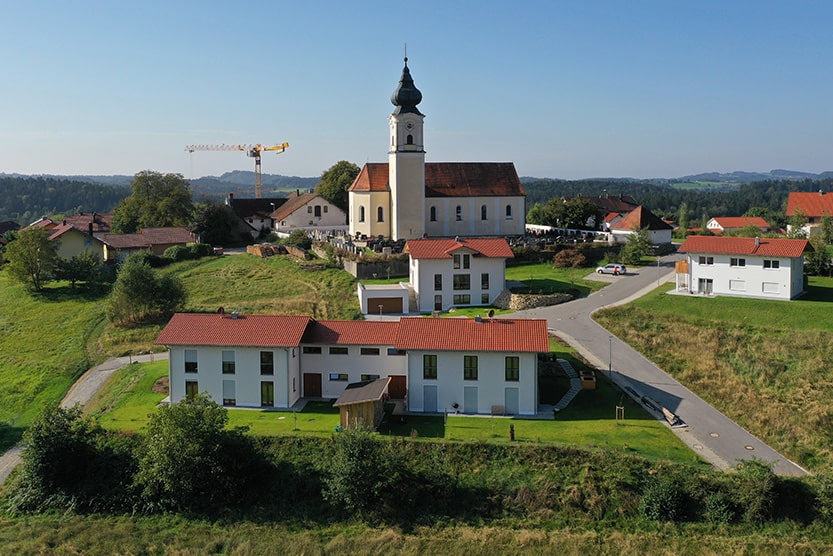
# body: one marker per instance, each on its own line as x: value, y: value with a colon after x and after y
x: 466, y: 365
x: 457, y: 272
x: 813, y: 206
x: 742, y: 266
x: 723, y: 224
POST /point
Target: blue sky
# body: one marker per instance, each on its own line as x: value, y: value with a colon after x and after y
x: 562, y: 89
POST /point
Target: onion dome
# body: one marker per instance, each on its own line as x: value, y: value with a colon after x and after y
x: 406, y: 96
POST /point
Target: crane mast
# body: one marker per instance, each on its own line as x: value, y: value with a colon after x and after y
x: 251, y: 150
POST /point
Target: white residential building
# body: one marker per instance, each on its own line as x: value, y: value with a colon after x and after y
x: 468, y: 365
x: 740, y: 266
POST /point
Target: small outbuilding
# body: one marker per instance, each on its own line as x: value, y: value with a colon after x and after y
x: 362, y: 403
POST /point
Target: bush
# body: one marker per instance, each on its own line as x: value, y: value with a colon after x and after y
x: 361, y: 472
x: 824, y: 496
x: 178, y: 253
x: 200, y: 250
x: 755, y: 490
x: 149, y: 258
x: 298, y: 238
x: 664, y: 500
x: 569, y: 258
x: 140, y: 296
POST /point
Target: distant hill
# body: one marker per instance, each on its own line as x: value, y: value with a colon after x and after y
x: 244, y: 183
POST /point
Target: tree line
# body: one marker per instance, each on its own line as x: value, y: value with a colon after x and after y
x: 188, y: 461
x: 25, y: 199
x: 665, y: 201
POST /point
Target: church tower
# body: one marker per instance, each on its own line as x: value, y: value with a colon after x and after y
x: 406, y: 161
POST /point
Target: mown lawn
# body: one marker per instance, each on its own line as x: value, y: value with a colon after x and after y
x: 766, y: 364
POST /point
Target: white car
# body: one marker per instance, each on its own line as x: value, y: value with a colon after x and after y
x: 613, y: 268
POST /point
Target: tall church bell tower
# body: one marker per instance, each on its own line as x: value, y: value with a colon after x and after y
x: 406, y: 161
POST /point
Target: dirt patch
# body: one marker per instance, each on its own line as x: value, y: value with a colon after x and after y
x: 161, y: 386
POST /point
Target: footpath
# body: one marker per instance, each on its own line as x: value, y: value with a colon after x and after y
x: 81, y: 393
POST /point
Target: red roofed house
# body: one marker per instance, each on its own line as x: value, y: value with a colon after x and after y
x: 308, y: 211
x: 723, y: 224
x: 813, y: 205
x: 406, y: 197
x: 77, y: 233
x: 742, y: 266
x: 659, y: 231
x: 155, y: 240
x: 444, y: 273
x: 435, y: 364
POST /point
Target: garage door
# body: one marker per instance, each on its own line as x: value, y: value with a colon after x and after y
x: 389, y: 305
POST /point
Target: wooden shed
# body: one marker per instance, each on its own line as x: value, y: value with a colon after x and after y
x: 362, y: 403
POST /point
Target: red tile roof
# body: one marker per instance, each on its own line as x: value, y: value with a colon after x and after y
x: 814, y: 205
x: 450, y: 179
x: 464, y: 334
x: 733, y: 222
x: 443, y: 248
x: 211, y: 329
x: 767, y: 247
x: 640, y: 217
x: 351, y: 332
x: 60, y: 230
x: 101, y: 221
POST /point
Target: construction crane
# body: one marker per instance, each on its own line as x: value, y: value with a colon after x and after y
x: 252, y: 151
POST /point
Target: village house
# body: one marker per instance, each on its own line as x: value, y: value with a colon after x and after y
x: 742, y: 266
x: 814, y: 206
x: 722, y: 224
x: 466, y: 365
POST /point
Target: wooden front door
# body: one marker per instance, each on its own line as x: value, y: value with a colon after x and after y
x: 398, y: 387
x: 312, y: 385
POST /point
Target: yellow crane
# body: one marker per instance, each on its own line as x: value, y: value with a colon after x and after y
x: 252, y: 151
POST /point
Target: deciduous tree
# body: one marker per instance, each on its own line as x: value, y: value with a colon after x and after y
x: 78, y: 268
x: 156, y: 200
x: 215, y: 223
x: 335, y: 182
x: 32, y: 257
x: 140, y: 295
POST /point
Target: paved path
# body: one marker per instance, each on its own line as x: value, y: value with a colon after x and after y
x: 81, y: 393
x: 711, y: 434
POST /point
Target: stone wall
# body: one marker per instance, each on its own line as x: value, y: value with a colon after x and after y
x: 518, y: 302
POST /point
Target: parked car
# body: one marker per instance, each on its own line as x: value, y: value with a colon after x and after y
x: 613, y: 268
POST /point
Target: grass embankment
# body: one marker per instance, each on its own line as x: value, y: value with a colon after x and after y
x: 46, y: 343
x: 765, y: 364
x: 48, y: 340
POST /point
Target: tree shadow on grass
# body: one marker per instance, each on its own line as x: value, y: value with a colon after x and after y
x: 81, y: 292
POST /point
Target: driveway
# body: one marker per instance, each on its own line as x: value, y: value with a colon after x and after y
x: 81, y: 393
x: 718, y: 439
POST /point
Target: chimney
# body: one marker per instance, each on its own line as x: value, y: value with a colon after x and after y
x: 757, y: 242
x: 94, y: 216
x: 821, y: 192
x: 90, y: 229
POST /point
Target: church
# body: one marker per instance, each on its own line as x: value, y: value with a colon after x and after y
x: 407, y: 198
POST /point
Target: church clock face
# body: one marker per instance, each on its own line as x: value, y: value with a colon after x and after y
x: 409, y: 126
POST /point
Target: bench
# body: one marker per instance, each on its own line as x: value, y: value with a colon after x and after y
x: 498, y: 410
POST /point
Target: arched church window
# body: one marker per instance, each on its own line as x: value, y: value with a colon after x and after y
x: 509, y: 212
x: 459, y: 213
x: 410, y: 139
x: 380, y: 214
x: 433, y: 213
x: 484, y: 213
x: 361, y: 214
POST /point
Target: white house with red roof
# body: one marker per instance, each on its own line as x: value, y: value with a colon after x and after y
x: 470, y: 365
x: 457, y: 272
x: 308, y: 211
x: 659, y: 231
x: 443, y: 273
x: 813, y: 205
x: 723, y: 224
x: 406, y: 197
x: 740, y: 266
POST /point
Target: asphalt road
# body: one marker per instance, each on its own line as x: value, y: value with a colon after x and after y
x: 718, y: 439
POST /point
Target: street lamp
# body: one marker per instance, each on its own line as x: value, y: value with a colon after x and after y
x: 610, y: 356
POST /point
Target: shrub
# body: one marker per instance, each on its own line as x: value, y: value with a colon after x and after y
x: 569, y: 258
x: 824, y: 496
x: 178, y: 253
x: 149, y: 258
x: 719, y: 508
x: 298, y: 238
x: 664, y: 500
x: 755, y: 490
x: 200, y: 250
x: 361, y: 472
x: 140, y: 296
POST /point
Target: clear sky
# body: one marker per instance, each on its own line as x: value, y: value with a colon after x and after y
x: 564, y: 89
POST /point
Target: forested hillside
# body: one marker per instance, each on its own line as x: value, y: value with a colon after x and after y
x: 665, y: 200
x: 25, y: 199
